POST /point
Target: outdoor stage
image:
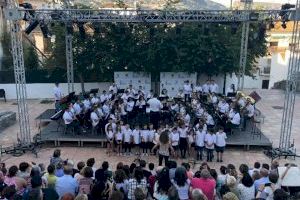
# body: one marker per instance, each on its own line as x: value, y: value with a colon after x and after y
x: 53, y: 132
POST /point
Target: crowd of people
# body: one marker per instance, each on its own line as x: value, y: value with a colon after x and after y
x: 62, y: 180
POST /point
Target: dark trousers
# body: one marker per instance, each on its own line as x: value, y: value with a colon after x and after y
x: 183, y: 146
x: 186, y: 98
x: 199, y: 151
x: 154, y: 119
x: 127, y: 146
x: 210, y: 154
x: 144, y: 147
x: 160, y: 159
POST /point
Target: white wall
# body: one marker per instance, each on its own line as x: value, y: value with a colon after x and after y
x: 45, y: 90
x: 279, y: 67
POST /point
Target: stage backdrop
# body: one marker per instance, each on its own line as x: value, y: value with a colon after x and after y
x: 123, y: 79
x: 174, y: 81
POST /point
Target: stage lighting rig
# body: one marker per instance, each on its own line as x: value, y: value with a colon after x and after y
x: 29, y: 12
x: 32, y: 26
x: 45, y: 30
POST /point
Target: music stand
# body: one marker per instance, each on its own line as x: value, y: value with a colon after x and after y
x: 94, y: 91
x: 231, y: 94
x: 121, y: 91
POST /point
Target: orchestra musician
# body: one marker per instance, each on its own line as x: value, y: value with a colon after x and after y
x: 234, y: 120
x: 113, y: 88
x: 248, y: 112
x: 70, y: 119
x: 213, y: 87
x: 57, y: 96
x: 231, y: 89
x: 206, y: 87
x: 223, y: 106
x: 95, y: 119
x: 187, y: 91
x: 155, y: 107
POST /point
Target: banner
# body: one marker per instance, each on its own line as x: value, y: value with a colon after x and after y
x: 174, y: 81
x: 136, y: 79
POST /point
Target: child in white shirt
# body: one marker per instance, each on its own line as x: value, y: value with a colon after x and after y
x: 137, y: 139
x: 109, y: 136
x: 200, y: 142
x: 144, y: 139
x: 174, y: 137
x: 220, y: 143
x: 119, y: 139
x: 151, y: 135
x: 210, y: 140
x: 127, y: 134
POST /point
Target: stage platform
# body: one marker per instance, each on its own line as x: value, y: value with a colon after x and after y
x: 54, y: 133
x: 45, y: 116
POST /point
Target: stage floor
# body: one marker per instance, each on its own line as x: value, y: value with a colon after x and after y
x: 54, y: 133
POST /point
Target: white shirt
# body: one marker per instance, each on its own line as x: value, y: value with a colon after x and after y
x: 241, y: 102
x: 119, y: 136
x: 223, y: 107
x: 210, y: 120
x: 200, y: 138
x: 183, y: 132
x: 187, y: 119
x: 144, y: 135
x: 68, y: 117
x: 154, y: 104
x: 214, y: 99
x: 198, y: 88
x: 136, y: 136
x: 77, y: 108
x: 95, y: 119
x: 220, y: 139
x: 125, y: 97
x: 205, y: 88
x: 113, y: 125
x: 57, y: 93
x: 250, y: 109
x: 214, y: 88
x: 151, y: 135
x: 86, y: 104
x: 109, y: 135
x: 129, y: 106
x: 127, y: 135
x: 113, y: 88
x: 187, y: 89
x: 175, y: 107
x: 199, y: 111
x: 210, y: 140
x: 174, y: 138
x: 94, y: 100
x: 105, y: 109
x: 103, y: 97
x: 236, y: 120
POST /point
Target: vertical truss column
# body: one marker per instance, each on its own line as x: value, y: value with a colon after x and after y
x: 291, y: 85
x: 19, y: 71
x: 69, y: 58
x: 244, y: 47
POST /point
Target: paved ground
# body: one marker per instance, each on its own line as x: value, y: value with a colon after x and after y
x: 271, y: 128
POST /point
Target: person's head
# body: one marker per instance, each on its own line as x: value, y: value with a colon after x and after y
x: 255, y: 175
x: 244, y: 169
x: 56, y: 153
x: 139, y: 194
x: 35, y: 194
x: 70, y: 163
x: 24, y: 166
x: 105, y: 165
x: 197, y: 194
x: 80, y: 165
x: 116, y: 195
x: 119, y: 176
x: 42, y: 167
x: 266, y: 166
x: 150, y: 126
x: 120, y: 165
x: 56, y: 84
x: 142, y: 163
x: 132, y: 167
x: 51, y: 169
x: 68, y: 196
x: 273, y: 177
x: 213, y: 174
x: 275, y: 164
x: 68, y: 170
x: 35, y: 171
x: 90, y: 162
x: 205, y: 174
x: 230, y: 196
x: 224, y: 189
x: 164, y: 137
x: 280, y: 194
x: 36, y: 181
x: 257, y: 165
x: 223, y: 170
x: 221, y: 129
x: 230, y: 181
x: 164, y: 182
x: 173, y: 193
x: 9, y: 191
x: 12, y: 171
x: 264, y: 172
x: 138, y: 174
x: 88, y: 172
x: 180, y: 176
x: 186, y: 166
x: 247, y: 180
x: 151, y: 166
x: 145, y: 127
x: 81, y: 197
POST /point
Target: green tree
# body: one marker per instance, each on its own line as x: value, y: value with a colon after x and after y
x: 31, y: 60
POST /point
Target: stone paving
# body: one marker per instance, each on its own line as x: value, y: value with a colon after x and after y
x: 270, y: 127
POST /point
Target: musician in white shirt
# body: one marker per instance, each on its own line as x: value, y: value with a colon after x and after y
x: 103, y: 96
x: 183, y: 143
x: 187, y: 90
x: 249, y: 113
x: 155, y: 107
x: 234, y: 120
x: 95, y: 99
x: 57, y: 96
x: 77, y: 107
x: 180, y: 94
x: 205, y: 87
x: 70, y: 119
x: 223, y: 106
x: 214, y: 98
x: 198, y: 88
x: 86, y: 103
x: 131, y: 91
x: 125, y: 96
x: 95, y: 118
x: 113, y: 88
x: 209, y: 120
x: 213, y: 87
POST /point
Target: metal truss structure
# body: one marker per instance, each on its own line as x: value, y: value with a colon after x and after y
x: 66, y: 16
x: 291, y: 86
x: 244, y: 48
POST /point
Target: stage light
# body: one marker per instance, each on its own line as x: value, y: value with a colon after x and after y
x: 45, y: 30
x: 81, y: 29
x: 30, y: 12
x: 31, y: 26
x: 283, y: 25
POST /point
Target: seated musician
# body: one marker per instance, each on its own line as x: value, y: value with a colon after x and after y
x: 174, y: 107
x: 141, y: 91
x: 125, y: 95
x: 165, y: 112
x: 111, y: 95
x: 231, y: 89
x: 150, y: 95
x: 180, y: 94
x: 70, y: 119
x: 240, y: 100
x: 234, y: 119
x: 129, y: 108
x: 249, y: 112
x: 113, y: 88
x: 86, y: 103
x: 213, y: 87
x: 214, y: 98
x: 223, y: 106
x: 106, y: 109
x: 95, y: 119
x: 198, y: 88
x: 205, y: 87
x: 78, y: 111
x: 199, y: 111
x: 186, y: 118
x: 103, y: 96
x: 209, y: 120
x: 131, y: 91
x: 95, y: 100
